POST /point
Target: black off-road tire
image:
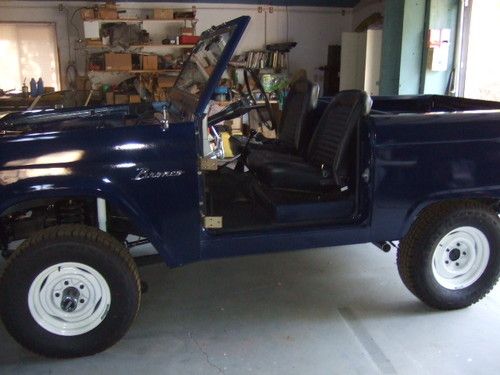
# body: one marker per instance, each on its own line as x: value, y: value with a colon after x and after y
x: 56, y: 245
x: 416, y: 251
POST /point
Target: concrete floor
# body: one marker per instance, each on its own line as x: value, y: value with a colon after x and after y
x: 341, y: 310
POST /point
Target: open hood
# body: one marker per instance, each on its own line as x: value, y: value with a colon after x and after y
x: 203, y: 69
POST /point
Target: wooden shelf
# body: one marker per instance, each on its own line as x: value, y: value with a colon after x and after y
x: 156, y: 71
x: 137, y: 71
x: 179, y: 46
x: 187, y: 46
x: 139, y: 20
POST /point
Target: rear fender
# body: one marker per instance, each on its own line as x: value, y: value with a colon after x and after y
x: 413, y: 213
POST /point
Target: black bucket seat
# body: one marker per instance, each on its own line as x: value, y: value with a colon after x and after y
x: 325, y: 165
x: 301, y: 99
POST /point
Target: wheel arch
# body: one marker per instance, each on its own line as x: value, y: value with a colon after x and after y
x: 19, y: 199
x: 420, y: 208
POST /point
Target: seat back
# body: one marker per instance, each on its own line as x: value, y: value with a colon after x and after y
x: 298, y: 103
x: 329, y: 143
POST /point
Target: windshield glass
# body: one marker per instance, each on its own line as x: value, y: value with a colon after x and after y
x: 202, y: 62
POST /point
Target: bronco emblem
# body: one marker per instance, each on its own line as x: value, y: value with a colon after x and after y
x: 145, y: 173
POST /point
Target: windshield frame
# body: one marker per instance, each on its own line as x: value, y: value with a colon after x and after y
x: 189, y: 105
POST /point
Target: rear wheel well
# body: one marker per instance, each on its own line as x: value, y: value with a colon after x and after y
x: 22, y: 219
x: 493, y: 203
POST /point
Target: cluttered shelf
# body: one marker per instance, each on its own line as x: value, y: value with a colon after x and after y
x: 137, y: 20
x: 131, y: 55
x: 155, y: 45
x: 151, y: 45
x: 136, y: 71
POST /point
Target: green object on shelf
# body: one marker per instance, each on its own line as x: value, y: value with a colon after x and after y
x: 274, y: 82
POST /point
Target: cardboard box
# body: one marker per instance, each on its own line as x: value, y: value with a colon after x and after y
x: 107, y: 14
x: 110, y: 98
x: 94, y: 43
x: 163, y: 14
x: 121, y: 99
x: 235, y: 125
x: 110, y: 4
x: 118, y: 61
x: 184, y: 15
x: 149, y: 62
x: 186, y: 31
x: 166, y: 82
x: 134, y: 99
x: 87, y: 13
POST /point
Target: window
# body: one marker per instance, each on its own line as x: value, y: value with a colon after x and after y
x: 28, y: 50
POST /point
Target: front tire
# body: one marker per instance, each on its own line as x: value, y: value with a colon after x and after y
x: 69, y: 291
x: 450, y: 258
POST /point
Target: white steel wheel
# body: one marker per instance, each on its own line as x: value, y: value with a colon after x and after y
x: 69, y: 291
x: 69, y: 299
x: 460, y: 258
x: 450, y: 257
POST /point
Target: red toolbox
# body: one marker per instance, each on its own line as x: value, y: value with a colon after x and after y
x: 189, y: 39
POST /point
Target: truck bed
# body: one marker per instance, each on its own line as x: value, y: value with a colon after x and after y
x: 429, y: 103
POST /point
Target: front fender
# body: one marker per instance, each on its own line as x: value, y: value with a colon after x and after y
x: 148, y: 173
x: 59, y: 185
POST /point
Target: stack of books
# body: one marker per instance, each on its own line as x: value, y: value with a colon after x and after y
x: 267, y: 60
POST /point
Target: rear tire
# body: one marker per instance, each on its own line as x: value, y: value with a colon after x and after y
x: 450, y: 258
x: 69, y: 291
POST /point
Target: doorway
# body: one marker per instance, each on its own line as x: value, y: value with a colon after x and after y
x: 480, y: 78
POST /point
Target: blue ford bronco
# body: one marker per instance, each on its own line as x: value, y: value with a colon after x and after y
x: 416, y: 173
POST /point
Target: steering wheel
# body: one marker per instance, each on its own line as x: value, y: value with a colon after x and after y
x: 246, y: 104
x: 267, y: 106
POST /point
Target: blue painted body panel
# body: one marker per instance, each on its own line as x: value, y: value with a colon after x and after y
x: 104, y: 162
x: 423, y: 158
x: 414, y: 158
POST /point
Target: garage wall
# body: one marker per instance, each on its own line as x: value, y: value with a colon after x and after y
x: 314, y: 28
x: 404, y: 28
x: 442, y: 14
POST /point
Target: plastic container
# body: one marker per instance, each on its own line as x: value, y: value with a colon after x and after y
x: 39, y: 87
x: 33, y: 89
x: 221, y: 94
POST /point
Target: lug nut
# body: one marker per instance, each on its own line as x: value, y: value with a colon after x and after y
x: 66, y: 282
x: 82, y: 300
x: 447, y: 250
x: 464, y: 253
x: 457, y: 264
x: 57, y: 294
x: 81, y: 286
x: 446, y: 262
